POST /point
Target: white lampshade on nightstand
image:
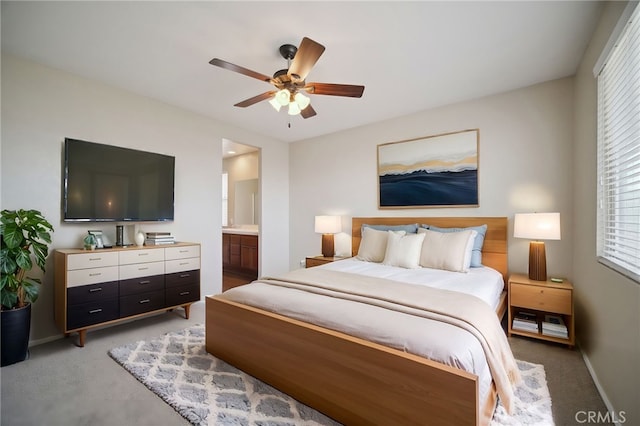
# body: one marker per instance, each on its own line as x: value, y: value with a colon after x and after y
x: 537, y: 226
x: 327, y: 226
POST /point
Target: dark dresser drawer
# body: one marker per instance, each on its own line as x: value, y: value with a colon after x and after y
x: 140, y: 303
x: 141, y: 285
x: 178, y: 279
x: 92, y: 292
x: 184, y: 294
x: 89, y: 313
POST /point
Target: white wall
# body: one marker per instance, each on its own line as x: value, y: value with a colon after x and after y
x: 607, y: 304
x: 41, y: 106
x: 525, y: 166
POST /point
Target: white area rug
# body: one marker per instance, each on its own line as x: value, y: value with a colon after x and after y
x: 208, y: 391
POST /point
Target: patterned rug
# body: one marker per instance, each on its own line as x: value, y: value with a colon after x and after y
x: 208, y: 391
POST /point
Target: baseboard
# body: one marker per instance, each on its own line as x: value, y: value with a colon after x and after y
x: 594, y: 377
x: 45, y: 340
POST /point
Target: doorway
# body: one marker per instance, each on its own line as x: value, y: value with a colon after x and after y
x: 241, y: 213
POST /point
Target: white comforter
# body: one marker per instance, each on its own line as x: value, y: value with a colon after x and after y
x: 436, y: 340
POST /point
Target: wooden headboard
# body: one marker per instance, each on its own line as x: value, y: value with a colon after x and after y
x: 494, y: 249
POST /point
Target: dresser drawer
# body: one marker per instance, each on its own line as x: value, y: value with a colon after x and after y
x: 541, y: 298
x: 179, y: 265
x: 182, y: 278
x: 140, y: 303
x: 137, y: 270
x: 94, y: 259
x: 183, y: 294
x: 141, y: 285
x: 90, y: 313
x: 92, y: 292
x: 141, y: 256
x: 92, y: 276
x: 173, y: 253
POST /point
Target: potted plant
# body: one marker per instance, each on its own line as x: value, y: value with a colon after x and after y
x: 24, y: 236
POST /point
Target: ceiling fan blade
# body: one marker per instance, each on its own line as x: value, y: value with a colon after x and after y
x: 255, y: 99
x: 308, y: 54
x: 237, y: 68
x: 349, y: 90
x: 308, y: 112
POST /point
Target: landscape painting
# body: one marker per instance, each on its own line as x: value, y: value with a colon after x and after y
x: 434, y: 171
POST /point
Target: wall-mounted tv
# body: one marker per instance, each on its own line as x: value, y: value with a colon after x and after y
x: 104, y: 183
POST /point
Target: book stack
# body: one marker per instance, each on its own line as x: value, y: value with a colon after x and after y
x: 554, y: 326
x: 525, y: 321
x: 158, y: 238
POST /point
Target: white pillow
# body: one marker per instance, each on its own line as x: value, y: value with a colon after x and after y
x: 373, y: 245
x: 403, y: 250
x: 450, y: 251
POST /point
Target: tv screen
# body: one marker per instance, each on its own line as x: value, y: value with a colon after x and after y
x: 104, y: 183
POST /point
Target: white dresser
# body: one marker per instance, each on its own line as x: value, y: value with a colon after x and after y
x: 94, y: 288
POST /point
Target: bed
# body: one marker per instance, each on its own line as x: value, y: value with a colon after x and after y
x: 350, y: 378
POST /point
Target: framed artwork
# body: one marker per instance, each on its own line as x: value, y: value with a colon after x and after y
x: 433, y: 171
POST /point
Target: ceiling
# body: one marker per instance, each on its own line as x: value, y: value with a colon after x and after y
x: 411, y: 56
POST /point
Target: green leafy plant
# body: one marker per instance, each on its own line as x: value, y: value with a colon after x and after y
x: 23, y: 234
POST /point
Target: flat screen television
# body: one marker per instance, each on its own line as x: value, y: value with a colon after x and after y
x: 104, y: 183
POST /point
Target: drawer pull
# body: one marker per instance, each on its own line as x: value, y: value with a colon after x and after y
x: 184, y: 251
x: 95, y: 311
x: 143, y: 268
x: 184, y: 293
x: 91, y: 259
x: 144, y: 301
x: 143, y: 254
x: 95, y: 274
x: 144, y: 282
x: 184, y: 263
x: 185, y: 275
x: 93, y: 290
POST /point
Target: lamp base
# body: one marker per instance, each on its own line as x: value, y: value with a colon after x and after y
x: 328, y: 249
x: 537, y: 261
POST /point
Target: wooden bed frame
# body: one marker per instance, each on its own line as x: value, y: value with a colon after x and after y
x: 352, y: 380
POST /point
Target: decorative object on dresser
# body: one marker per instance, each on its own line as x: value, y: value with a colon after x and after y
x: 432, y: 171
x: 537, y: 226
x: 541, y: 309
x: 24, y: 234
x: 159, y: 238
x: 327, y: 226
x: 110, y: 285
x: 312, y: 261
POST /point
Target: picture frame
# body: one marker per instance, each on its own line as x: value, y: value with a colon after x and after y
x: 431, y: 171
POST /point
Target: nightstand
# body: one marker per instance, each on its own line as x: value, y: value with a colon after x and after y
x: 540, y: 298
x: 320, y: 260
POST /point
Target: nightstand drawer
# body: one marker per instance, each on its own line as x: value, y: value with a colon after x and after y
x: 541, y: 298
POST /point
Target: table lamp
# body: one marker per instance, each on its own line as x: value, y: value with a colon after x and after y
x: 327, y: 226
x: 537, y: 226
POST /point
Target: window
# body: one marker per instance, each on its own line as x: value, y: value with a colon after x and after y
x: 619, y: 148
x: 225, y: 199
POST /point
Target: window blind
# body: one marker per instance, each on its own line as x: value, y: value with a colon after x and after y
x: 619, y: 153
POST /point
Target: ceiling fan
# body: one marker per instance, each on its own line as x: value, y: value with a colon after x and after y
x: 290, y: 83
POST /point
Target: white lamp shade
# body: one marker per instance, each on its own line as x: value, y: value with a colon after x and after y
x: 328, y: 224
x: 283, y: 97
x: 302, y: 100
x: 537, y: 226
x: 274, y: 103
x: 294, y: 108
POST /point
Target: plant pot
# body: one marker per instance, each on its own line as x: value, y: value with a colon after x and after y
x: 16, y: 324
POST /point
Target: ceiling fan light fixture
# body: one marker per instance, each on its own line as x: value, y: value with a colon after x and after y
x: 275, y: 104
x: 283, y: 97
x: 302, y: 100
x: 294, y: 109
